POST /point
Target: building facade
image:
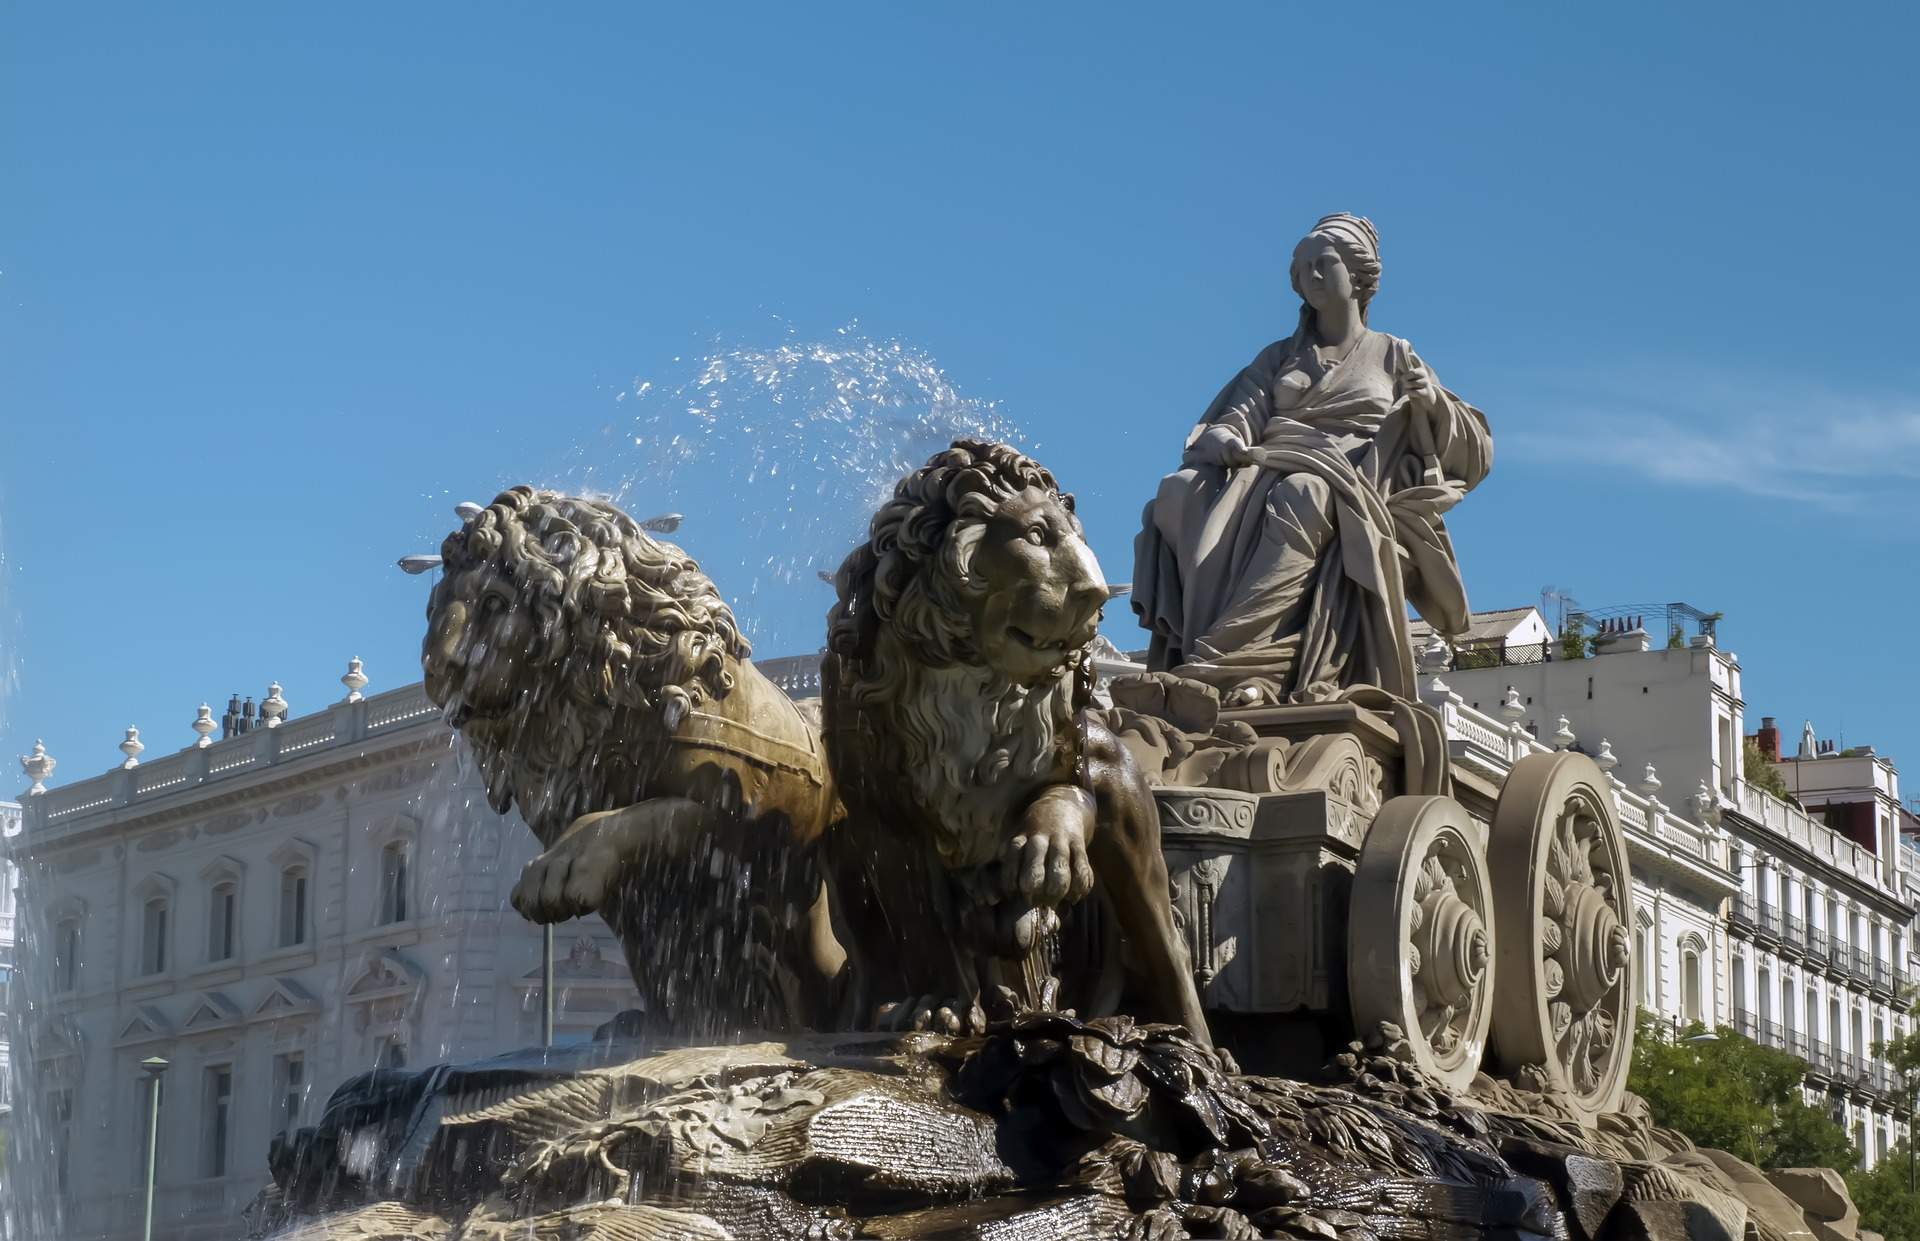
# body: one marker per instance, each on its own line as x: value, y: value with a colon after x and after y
x: 9, y: 909
x: 1799, y: 935
x: 271, y: 912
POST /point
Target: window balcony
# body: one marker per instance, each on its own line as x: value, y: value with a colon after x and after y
x: 1746, y: 1024
x: 1746, y: 913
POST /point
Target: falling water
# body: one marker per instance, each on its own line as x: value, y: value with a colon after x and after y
x: 777, y: 455
x: 29, y: 1205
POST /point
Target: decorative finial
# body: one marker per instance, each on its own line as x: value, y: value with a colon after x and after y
x: 132, y: 748
x: 39, y: 767
x: 1649, y: 783
x: 273, y: 707
x: 1563, y: 735
x: 1436, y: 654
x: 1511, y: 709
x: 355, y: 680
x: 204, y: 725
x: 1606, y: 760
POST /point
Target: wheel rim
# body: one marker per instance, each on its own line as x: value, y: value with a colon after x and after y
x: 1420, y: 935
x: 1563, y: 1021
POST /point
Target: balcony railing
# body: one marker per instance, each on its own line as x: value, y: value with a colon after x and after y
x: 1746, y: 913
x: 1771, y: 922
x: 1796, y: 932
x: 1501, y: 655
x: 1746, y: 1024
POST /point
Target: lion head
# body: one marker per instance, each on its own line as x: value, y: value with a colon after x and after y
x: 960, y: 638
x: 561, y: 639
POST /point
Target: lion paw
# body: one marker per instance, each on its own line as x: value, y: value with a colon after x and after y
x: 576, y: 875
x: 929, y: 1013
x: 1046, y: 860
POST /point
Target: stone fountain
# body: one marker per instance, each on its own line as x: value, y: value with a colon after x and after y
x: 965, y: 949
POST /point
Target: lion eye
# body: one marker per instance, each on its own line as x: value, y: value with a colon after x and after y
x: 1037, y: 535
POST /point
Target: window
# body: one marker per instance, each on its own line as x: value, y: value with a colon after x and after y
x: 153, y: 938
x: 1833, y: 1023
x: 1739, y: 985
x: 1643, y: 961
x: 218, y: 1104
x: 393, y: 882
x: 66, y: 954
x: 1765, y: 990
x: 1813, y: 1015
x: 60, y: 1117
x: 290, y: 1071
x: 223, y: 921
x: 1786, y: 1004
x: 1690, y: 983
x: 293, y: 906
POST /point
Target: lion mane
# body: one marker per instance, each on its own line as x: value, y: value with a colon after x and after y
x: 906, y: 691
x: 627, y: 635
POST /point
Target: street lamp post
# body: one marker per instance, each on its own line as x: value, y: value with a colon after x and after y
x: 156, y: 1067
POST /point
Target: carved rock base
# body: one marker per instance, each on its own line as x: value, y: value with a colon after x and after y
x: 1046, y: 1127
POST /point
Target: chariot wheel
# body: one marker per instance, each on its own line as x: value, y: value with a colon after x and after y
x: 1563, y: 1019
x: 1420, y: 935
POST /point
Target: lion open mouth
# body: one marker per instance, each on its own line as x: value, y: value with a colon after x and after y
x: 1055, y: 646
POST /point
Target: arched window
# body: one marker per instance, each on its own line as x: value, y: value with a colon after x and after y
x: 1692, y: 1008
x: 1643, y: 962
x: 153, y: 936
x: 293, y: 904
x: 394, y: 882
x: 223, y: 921
x: 66, y: 953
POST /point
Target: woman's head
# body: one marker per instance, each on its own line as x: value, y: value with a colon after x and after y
x: 1338, y: 260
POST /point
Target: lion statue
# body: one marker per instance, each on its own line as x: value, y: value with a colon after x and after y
x: 605, y: 691
x: 981, y: 794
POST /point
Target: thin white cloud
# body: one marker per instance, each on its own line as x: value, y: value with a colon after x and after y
x: 1842, y: 452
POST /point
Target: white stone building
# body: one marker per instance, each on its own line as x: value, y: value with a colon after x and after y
x: 1811, y: 952
x: 272, y: 912
x: 9, y: 827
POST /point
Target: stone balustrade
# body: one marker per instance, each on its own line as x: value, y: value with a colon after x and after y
x: 48, y: 814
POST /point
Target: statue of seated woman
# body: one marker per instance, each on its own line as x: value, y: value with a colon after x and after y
x: 1278, y: 562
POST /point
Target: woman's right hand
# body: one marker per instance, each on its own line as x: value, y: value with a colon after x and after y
x: 1219, y: 446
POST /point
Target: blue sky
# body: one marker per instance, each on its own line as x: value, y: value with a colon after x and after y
x: 278, y: 284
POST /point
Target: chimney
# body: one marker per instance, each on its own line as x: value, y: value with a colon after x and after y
x: 1768, y: 738
x: 230, y: 721
x: 1621, y: 634
x: 246, y: 715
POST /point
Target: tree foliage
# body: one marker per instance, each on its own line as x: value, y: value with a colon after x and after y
x: 1887, y: 1205
x: 1761, y: 773
x: 1735, y: 1095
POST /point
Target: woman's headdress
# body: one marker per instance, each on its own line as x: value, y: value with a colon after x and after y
x: 1355, y: 230
x: 1359, y: 248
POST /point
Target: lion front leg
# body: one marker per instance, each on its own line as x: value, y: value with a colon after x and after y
x: 582, y: 870
x: 1132, y: 871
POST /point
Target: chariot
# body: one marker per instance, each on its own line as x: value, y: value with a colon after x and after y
x: 1336, y: 880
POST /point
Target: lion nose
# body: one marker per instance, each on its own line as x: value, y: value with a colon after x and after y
x: 1088, y: 593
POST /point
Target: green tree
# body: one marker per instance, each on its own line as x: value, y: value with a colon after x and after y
x: 1573, y: 644
x: 1887, y: 1205
x: 1732, y: 1094
x: 1761, y: 773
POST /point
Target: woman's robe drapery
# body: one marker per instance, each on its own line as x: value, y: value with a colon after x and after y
x: 1295, y: 573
